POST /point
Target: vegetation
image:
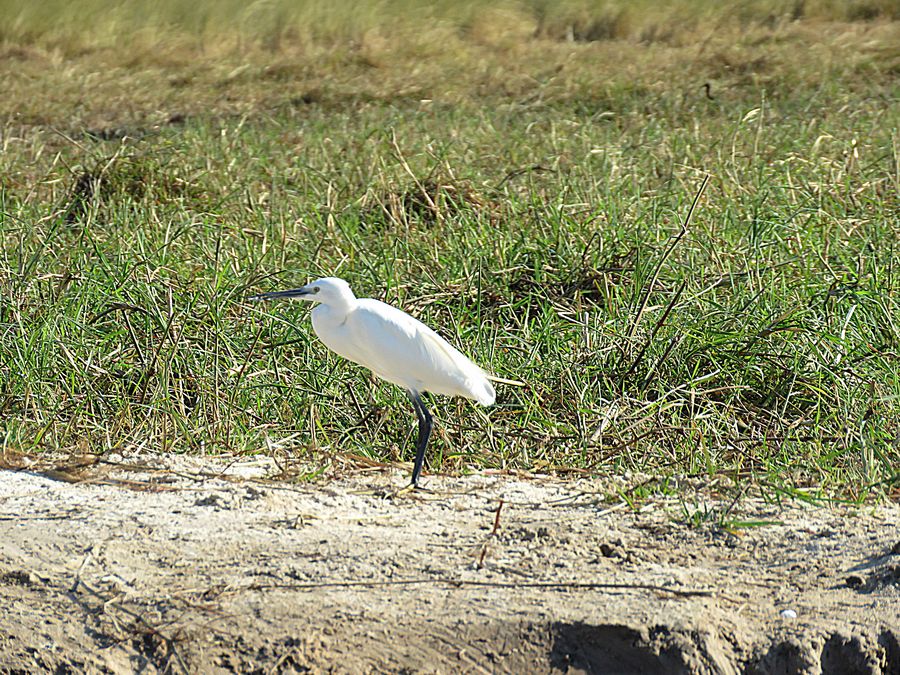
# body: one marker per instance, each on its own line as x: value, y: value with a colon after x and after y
x: 519, y: 177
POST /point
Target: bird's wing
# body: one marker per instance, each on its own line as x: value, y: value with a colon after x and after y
x: 405, y: 351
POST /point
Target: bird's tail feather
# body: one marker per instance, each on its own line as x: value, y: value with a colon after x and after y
x: 501, y: 380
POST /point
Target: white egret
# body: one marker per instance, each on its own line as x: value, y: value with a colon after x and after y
x: 394, y: 346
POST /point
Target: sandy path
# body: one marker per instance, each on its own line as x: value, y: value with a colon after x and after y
x: 171, y: 569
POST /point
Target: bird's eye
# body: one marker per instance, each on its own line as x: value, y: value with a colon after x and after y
x: 316, y: 289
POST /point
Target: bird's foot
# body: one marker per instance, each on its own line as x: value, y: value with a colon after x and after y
x: 410, y: 491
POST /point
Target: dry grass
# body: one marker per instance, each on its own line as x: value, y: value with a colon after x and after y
x: 96, y: 90
x: 229, y: 26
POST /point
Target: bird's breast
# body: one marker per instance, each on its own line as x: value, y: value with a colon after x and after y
x: 331, y: 328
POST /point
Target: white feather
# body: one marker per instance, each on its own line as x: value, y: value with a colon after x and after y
x: 393, y: 345
x: 400, y: 349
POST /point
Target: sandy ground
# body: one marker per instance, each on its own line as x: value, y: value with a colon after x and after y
x: 183, y: 566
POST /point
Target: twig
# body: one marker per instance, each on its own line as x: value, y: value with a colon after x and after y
x: 497, y: 519
x: 139, y: 621
x: 659, y: 324
x: 465, y: 583
x: 88, y: 554
x: 662, y: 260
x: 484, y: 546
x: 362, y: 415
x: 673, y: 343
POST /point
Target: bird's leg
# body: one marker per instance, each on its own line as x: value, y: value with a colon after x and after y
x: 425, y: 425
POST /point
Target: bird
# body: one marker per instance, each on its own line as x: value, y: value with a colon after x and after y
x: 395, y: 346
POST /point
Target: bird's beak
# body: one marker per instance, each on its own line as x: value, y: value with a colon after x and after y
x: 291, y: 293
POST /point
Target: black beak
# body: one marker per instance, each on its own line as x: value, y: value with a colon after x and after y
x: 292, y: 293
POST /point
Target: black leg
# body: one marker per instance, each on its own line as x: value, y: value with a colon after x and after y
x: 425, y: 425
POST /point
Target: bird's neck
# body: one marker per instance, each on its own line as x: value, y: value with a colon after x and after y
x: 333, y: 312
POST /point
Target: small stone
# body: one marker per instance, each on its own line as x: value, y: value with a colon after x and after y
x: 608, y: 550
x: 854, y: 581
x: 788, y: 614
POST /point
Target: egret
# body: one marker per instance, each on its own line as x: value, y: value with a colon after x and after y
x: 394, y: 346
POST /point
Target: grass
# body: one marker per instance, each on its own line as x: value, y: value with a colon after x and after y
x: 522, y: 186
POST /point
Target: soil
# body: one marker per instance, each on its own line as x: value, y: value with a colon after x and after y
x: 152, y: 564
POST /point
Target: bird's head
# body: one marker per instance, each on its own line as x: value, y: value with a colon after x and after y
x: 328, y: 291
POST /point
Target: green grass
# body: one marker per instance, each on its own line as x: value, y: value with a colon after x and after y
x: 524, y: 198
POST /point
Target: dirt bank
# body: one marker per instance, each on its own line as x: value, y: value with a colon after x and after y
x: 190, y: 566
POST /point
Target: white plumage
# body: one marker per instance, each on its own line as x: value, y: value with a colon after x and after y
x: 394, y: 346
